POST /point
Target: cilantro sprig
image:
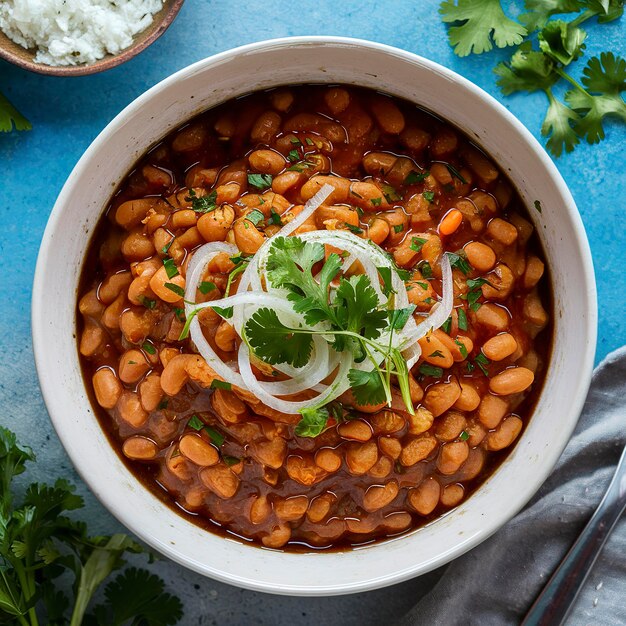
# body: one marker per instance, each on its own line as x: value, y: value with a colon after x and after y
x: 546, y: 47
x: 345, y: 311
x: 39, y: 542
x: 11, y: 118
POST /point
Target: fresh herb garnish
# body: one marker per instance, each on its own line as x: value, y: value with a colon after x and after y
x: 255, y: 216
x: 312, y: 423
x: 179, y: 291
x: 205, y: 287
x: 455, y: 173
x: 417, y: 243
x: 216, y: 436
x: 462, y: 319
x: 260, y: 181
x: 464, y: 436
x: 398, y: 228
x: 437, y: 354
x: 376, y: 201
x: 429, y: 370
x: 11, y: 118
x: 462, y: 348
x: 179, y: 313
x: 429, y: 196
x: 163, y: 404
x: 167, y: 246
x: 220, y: 384
x: 41, y: 544
x: 195, y: 422
x: 354, y: 229
x: 529, y: 69
x: 230, y: 460
x: 481, y: 361
x: 390, y: 193
x: 275, y: 218
x: 148, y: 347
x: 353, y: 319
x: 475, y: 292
x: 170, y: 267
x: 459, y: 260
x: 309, y: 141
x: 414, y: 177
x: 425, y: 269
x: 203, y: 204
x: 149, y: 303
x: 447, y: 325
x: 293, y: 155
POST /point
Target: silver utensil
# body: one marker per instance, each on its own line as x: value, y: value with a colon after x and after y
x: 557, y: 598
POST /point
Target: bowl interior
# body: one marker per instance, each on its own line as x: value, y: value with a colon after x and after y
x: 25, y: 58
x: 319, y: 60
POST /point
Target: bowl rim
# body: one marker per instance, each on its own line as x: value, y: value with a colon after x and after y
x: 585, y: 358
x: 138, y: 45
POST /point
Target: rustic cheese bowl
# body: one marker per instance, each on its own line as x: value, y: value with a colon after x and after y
x: 25, y: 58
x: 316, y: 60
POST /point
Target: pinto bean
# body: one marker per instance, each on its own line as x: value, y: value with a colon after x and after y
x: 441, y: 396
x: 228, y: 406
x: 265, y: 127
x: 469, y: 398
x: 421, y: 421
x: 260, y: 510
x: 480, y: 256
x: 452, y: 494
x: 435, y: 352
x: 451, y: 456
x: 450, y: 425
x: 425, y: 497
x: 139, y: 448
x: 215, y: 225
x: 361, y: 457
x: 491, y: 410
x: 499, y: 347
x: 247, y: 237
x: 271, y: 453
x: 198, y: 450
x: 505, y: 434
x: 355, y: 430
x: 93, y: 338
x: 107, y: 388
x: 385, y: 422
x: 511, y: 380
x: 337, y: 99
x: 320, y: 507
x: 220, y: 480
x: 387, y: 114
x: 493, y: 317
x: 132, y: 366
x: 291, y: 509
x: 304, y: 470
x: 130, y: 409
x: 278, y: 536
x: 379, y: 496
x: 328, y: 459
x: 417, y: 449
x: 390, y: 446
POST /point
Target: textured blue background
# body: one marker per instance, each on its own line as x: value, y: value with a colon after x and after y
x: 68, y: 113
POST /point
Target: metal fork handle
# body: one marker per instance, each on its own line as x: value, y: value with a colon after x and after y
x: 557, y: 598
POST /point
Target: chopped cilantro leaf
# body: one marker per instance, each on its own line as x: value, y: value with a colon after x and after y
x: 260, y: 181
x: 216, y: 436
x: 170, y: 267
x: 398, y: 228
x: 414, y: 177
x: 428, y: 370
x: 312, y: 422
x: 429, y: 196
x: 293, y: 156
x: 417, y: 243
x: 195, y: 422
x: 462, y: 319
x: 203, y: 204
x: 220, y: 384
x: 459, y: 260
x: 205, y: 287
x: 455, y: 173
x: 148, y: 347
x: 179, y: 291
x: 255, y: 216
x: 376, y: 201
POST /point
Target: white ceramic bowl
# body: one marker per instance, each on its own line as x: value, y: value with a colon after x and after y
x: 259, y: 66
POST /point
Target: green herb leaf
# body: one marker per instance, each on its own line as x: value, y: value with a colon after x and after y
x: 230, y: 460
x: 376, y: 201
x: 528, y: 70
x: 149, y: 303
x: 293, y: 155
x: 179, y: 291
x: 225, y: 312
x: 275, y: 343
x: 562, y: 41
x: 399, y: 317
x: 170, y: 267
x: 385, y: 274
x: 429, y: 196
x: 414, y: 177
x: 462, y: 319
x: 275, y: 218
x: 540, y: 11
x: 220, y: 384
x: 436, y: 354
x: 482, y: 22
x: 462, y: 348
x: 11, y: 118
x: 417, y: 243
x: 205, y: 287
x: 447, y: 325
x: 455, y: 173
x: 354, y: 229
x: 148, y: 347
x: 464, y: 436
x: 429, y: 370
x: 398, y: 228
x: 216, y: 436
x: 367, y: 387
x: 390, y: 193
x: 312, y: 422
x: 195, y: 422
x: 260, y: 181
x: 459, y: 261
x: 255, y: 216
x: 203, y: 204
x: 425, y: 269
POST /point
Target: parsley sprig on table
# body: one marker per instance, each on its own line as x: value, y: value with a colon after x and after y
x: 11, y: 118
x: 349, y: 315
x: 39, y: 543
x: 546, y: 47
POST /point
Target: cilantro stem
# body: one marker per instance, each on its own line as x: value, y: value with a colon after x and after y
x: 569, y: 79
x: 583, y: 17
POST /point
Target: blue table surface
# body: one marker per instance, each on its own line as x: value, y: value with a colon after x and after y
x: 68, y: 113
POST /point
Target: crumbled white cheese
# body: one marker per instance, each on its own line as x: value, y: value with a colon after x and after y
x: 73, y: 32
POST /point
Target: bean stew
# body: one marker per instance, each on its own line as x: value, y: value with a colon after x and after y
x: 399, y: 177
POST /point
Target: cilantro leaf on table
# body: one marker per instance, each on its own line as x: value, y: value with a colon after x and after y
x: 540, y: 11
x: 558, y: 126
x: 607, y: 76
x: 484, y: 23
x: 276, y: 343
x: 527, y: 70
x: 138, y: 597
x: 367, y: 387
x: 11, y: 118
x: 562, y: 41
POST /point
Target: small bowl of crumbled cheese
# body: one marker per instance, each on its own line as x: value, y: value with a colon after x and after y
x: 76, y: 37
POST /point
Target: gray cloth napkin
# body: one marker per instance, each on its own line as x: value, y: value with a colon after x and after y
x: 497, y: 582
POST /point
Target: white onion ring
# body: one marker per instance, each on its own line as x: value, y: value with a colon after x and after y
x: 254, y: 293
